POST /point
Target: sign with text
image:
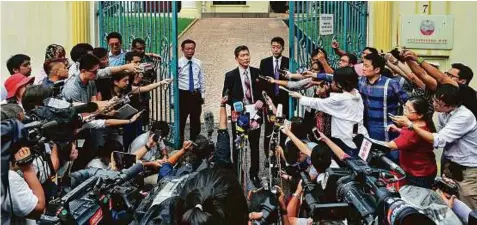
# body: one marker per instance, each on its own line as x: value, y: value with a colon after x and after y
x: 326, y: 24
x: 427, y: 31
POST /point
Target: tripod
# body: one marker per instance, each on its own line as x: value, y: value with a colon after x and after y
x: 241, y: 144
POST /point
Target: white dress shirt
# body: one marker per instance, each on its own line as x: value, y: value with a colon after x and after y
x: 458, y: 136
x: 346, y: 110
x: 197, y: 71
x: 244, y: 88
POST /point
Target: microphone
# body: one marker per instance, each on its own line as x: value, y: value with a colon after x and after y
x: 279, y: 111
x: 209, y: 123
x: 392, y: 165
x: 238, y: 106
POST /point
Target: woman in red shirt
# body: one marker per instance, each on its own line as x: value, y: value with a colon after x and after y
x: 416, y: 156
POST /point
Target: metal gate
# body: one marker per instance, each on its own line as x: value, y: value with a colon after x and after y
x: 156, y: 23
x: 349, y: 29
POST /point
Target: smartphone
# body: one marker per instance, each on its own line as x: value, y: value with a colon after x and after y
x: 264, y: 78
x: 123, y: 160
x: 282, y: 72
x: 316, y: 135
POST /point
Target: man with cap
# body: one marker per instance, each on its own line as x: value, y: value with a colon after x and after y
x: 15, y: 86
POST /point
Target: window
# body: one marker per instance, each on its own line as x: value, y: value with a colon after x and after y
x: 229, y: 2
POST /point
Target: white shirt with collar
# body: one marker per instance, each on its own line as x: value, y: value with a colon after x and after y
x: 458, y: 136
x: 197, y: 71
x: 244, y: 88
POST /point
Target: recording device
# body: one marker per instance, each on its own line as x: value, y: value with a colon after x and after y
x: 58, y: 87
x: 123, y: 160
x: 98, y: 199
x: 238, y: 106
x: 284, y: 89
x: 149, y: 72
x: 447, y: 187
x: 265, y: 78
x: 371, y: 151
x: 267, y: 209
x: 282, y: 72
x: 209, y: 123
x: 363, y: 189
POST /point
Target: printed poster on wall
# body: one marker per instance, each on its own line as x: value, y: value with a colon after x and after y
x: 427, y: 31
x: 326, y: 24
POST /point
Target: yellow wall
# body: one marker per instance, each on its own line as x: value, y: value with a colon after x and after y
x: 250, y: 7
x: 465, y: 32
x: 29, y: 27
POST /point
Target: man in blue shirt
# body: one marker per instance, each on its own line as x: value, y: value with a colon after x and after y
x: 116, y: 54
x: 381, y: 96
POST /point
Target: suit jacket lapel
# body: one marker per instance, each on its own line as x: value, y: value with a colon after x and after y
x: 238, y: 79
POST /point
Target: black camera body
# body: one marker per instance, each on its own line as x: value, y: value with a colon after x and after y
x: 447, y: 187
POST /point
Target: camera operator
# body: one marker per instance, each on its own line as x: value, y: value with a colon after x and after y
x: 25, y: 199
x: 265, y: 207
x: 459, y: 207
x: 345, y: 106
x: 15, y: 86
x: 56, y: 70
x: 160, y: 130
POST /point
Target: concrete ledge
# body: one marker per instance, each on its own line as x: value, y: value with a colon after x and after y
x: 235, y: 15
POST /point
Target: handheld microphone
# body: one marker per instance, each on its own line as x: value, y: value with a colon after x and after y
x: 279, y: 111
x: 209, y: 123
x: 392, y: 165
x: 238, y: 106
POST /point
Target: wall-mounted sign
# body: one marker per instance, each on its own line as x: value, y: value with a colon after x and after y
x: 427, y: 31
x: 326, y: 24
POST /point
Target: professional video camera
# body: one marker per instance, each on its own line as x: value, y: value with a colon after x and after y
x: 106, y: 196
x: 364, y: 188
x: 148, y: 71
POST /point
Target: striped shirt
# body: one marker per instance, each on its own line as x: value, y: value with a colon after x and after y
x: 383, y: 97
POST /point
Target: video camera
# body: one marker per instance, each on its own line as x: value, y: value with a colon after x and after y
x: 148, y: 71
x: 106, y: 196
x: 364, y: 189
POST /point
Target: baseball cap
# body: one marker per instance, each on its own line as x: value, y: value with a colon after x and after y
x: 15, y: 81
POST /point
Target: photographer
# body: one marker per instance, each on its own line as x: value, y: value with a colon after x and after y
x: 345, y: 106
x: 160, y: 130
x: 56, y: 70
x: 25, y: 199
x: 265, y: 206
x: 15, y: 86
x: 201, y: 150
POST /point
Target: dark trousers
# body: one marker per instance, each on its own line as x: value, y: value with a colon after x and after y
x: 190, y: 103
x: 254, y: 141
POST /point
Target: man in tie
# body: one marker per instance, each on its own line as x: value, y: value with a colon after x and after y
x: 241, y: 85
x: 270, y: 67
x: 191, y: 89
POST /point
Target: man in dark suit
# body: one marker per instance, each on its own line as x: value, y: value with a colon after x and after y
x: 270, y: 67
x: 241, y: 85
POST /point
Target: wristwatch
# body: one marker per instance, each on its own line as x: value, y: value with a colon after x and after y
x: 147, y: 147
x: 411, y: 126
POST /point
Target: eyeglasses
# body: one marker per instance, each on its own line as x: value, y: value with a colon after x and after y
x: 114, y: 44
x: 451, y: 75
x: 406, y: 110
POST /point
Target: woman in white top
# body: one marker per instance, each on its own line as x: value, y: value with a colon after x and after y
x: 345, y: 106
